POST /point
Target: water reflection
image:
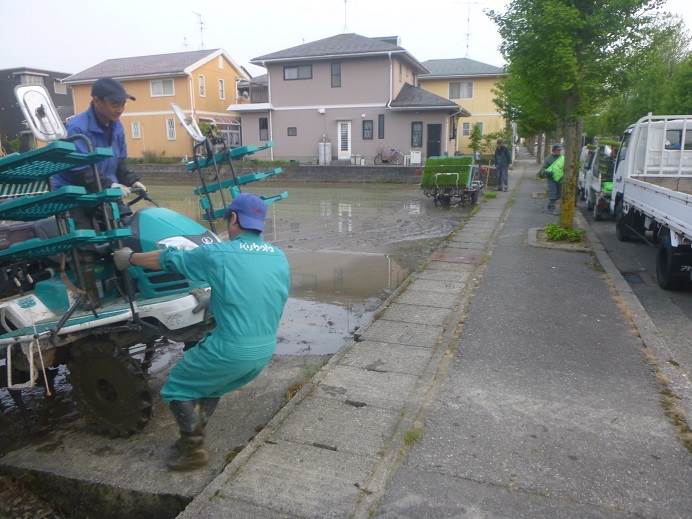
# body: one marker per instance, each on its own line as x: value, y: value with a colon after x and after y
x: 342, y: 275
x: 345, y: 217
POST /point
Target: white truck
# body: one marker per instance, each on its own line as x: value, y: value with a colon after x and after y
x: 652, y: 191
x: 598, y: 179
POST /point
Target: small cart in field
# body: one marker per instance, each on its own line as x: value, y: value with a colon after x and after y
x: 452, y: 181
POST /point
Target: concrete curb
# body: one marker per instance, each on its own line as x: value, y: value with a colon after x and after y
x: 648, y: 332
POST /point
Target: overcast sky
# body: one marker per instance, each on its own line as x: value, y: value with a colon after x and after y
x: 71, y: 35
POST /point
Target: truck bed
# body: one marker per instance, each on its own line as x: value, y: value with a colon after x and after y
x: 683, y: 185
x: 668, y: 206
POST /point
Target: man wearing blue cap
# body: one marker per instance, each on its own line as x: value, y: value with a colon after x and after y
x: 101, y: 123
x: 249, y: 280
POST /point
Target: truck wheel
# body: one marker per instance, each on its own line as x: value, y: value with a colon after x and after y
x: 597, y: 216
x: 668, y: 266
x: 109, y: 387
x: 621, y: 232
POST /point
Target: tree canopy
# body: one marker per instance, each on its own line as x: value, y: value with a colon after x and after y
x: 565, y: 58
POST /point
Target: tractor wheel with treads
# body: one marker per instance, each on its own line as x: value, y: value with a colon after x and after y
x: 109, y: 387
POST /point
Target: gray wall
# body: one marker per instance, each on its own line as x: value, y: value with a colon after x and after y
x: 363, y: 80
x: 311, y: 125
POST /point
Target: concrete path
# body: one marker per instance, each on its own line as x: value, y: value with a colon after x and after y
x: 535, y: 402
x: 548, y: 409
x: 337, y: 443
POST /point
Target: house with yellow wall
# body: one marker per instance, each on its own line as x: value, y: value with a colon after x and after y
x: 469, y: 84
x: 201, y: 82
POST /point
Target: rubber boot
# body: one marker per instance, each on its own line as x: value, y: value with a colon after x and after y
x: 207, y: 406
x: 188, y: 452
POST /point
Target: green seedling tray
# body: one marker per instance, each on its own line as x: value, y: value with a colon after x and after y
x: 28, y: 208
x: 38, y: 247
x: 10, y: 191
x: 437, y: 169
x: 41, y: 163
x: 242, y: 180
x: 233, y: 153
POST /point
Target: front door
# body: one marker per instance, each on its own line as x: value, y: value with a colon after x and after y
x: 434, y: 140
x: 344, y: 133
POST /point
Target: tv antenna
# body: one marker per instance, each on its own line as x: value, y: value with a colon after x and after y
x: 345, y: 24
x: 468, y: 24
x: 201, y: 28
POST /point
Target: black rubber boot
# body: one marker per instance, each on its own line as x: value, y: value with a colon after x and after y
x: 207, y: 406
x: 188, y: 452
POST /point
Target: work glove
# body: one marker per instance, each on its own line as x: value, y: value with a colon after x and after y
x: 121, y: 258
x: 139, y: 185
x: 124, y: 189
x: 203, y: 298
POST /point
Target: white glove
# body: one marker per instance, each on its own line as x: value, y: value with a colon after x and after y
x: 121, y: 258
x: 124, y: 189
x: 139, y: 185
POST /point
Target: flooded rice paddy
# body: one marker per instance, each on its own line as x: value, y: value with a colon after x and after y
x: 349, y: 247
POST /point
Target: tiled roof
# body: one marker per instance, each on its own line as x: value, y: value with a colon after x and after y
x: 157, y: 64
x: 460, y: 67
x: 333, y: 46
x: 412, y: 97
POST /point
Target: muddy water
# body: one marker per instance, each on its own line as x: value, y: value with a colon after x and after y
x: 349, y: 246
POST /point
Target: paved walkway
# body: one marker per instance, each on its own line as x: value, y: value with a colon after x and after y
x: 534, y: 403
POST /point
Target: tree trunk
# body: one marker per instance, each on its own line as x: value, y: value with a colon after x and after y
x: 573, y: 128
x: 539, y: 149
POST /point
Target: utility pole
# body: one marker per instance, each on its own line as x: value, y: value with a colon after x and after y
x: 345, y: 24
x: 201, y: 28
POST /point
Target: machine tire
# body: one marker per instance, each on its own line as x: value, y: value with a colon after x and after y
x: 667, y: 272
x: 109, y: 387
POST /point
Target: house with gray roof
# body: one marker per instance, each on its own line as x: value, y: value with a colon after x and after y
x: 469, y: 83
x: 201, y: 82
x: 359, y: 94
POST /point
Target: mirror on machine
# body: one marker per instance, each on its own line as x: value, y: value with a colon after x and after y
x: 188, y: 122
x: 40, y: 112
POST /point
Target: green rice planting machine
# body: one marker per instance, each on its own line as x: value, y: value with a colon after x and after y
x: 62, y: 302
x: 452, y: 181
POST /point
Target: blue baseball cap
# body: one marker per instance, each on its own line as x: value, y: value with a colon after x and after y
x: 251, y: 211
x: 109, y: 88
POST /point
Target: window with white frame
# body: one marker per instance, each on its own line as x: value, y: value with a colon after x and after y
x: 460, y: 89
x: 59, y: 88
x: 220, y: 61
x: 136, y: 129
x: 466, y: 129
x: 202, y: 86
x: 222, y: 89
x: 170, y: 129
x: 161, y: 87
